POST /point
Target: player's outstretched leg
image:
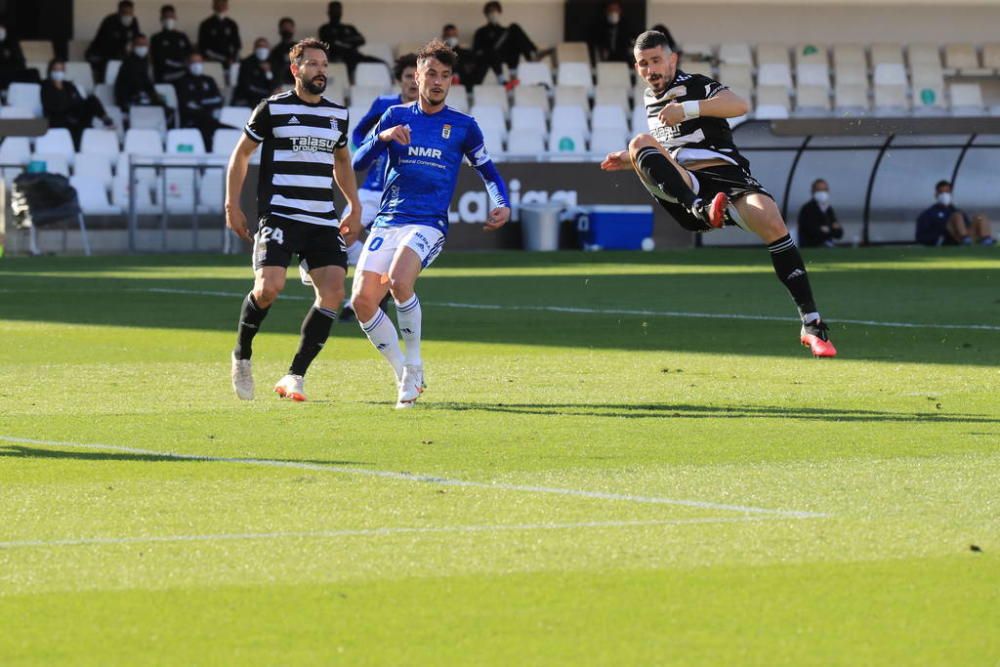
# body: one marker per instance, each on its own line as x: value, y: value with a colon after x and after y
x: 267, y: 285
x: 368, y: 292
x: 659, y: 169
x: 403, y: 275
x: 761, y: 215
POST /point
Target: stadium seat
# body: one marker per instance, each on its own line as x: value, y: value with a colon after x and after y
x: 105, y: 92
x: 614, y: 74
x: 575, y: 74
x: 82, y: 76
x: 812, y: 74
x: 572, y: 52
x: 404, y: 48
x: 337, y: 74
x: 774, y: 74
x: 810, y: 100
x: 890, y: 74
x: 375, y: 75
x: 966, y: 99
x: 111, y: 72
x: 380, y: 50
x: 739, y: 75
x: 568, y: 141
x: 14, y: 150
x: 92, y: 193
x: 698, y: 67
x: 851, y: 98
x: 215, y: 70
x: 169, y: 95
x: 526, y: 143
x: 103, y: 143
x: 850, y: 65
x: 567, y: 118
x: 770, y: 112
x: 26, y: 95
x: 928, y: 99
x: 963, y: 59
x: 572, y: 96
x: 147, y: 118
x: 924, y: 54
x: 886, y: 54
x: 527, y: 119
x: 362, y: 96
x: 93, y: 165
x: 615, y: 95
x: 891, y: 100
x: 185, y: 142
x: 180, y: 194
x: 699, y: 51
x: 493, y: 138
x: 991, y: 56
x: 145, y: 182
x: 224, y: 140
x: 490, y: 116
x: 607, y: 141
x: 55, y: 163
x: 773, y: 54
x: 532, y: 74
x: 773, y: 96
x: 735, y: 53
x: 609, y: 117
x: 640, y: 123
x: 458, y: 99
x: 532, y: 96
x: 56, y: 140
x: 812, y: 54
x: 235, y: 116
x: 145, y: 142
x: 491, y: 95
x: 12, y: 113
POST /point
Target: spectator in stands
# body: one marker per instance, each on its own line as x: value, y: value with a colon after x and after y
x: 133, y: 85
x: 64, y: 106
x: 170, y: 48
x: 116, y: 32
x: 280, y: 64
x: 465, y: 70
x: 945, y: 224
x: 818, y: 224
x: 495, y: 46
x: 219, y: 36
x: 256, y: 80
x: 199, y: 99
x: 12, y: 65
x: 611, y: 39
x: 344, y: 40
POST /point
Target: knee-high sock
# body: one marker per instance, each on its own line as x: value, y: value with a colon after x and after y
x: 382, y: 334
x: 409, y: 316
x: 791, y: 272
x: 251, y: 315
x: 315, y: 330
x: 659, y: 170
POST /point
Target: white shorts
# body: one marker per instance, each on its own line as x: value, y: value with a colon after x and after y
x: 383, y: 242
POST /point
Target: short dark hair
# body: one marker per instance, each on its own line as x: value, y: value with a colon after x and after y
x: 652, y: 39
x: 449, y: 26
x: 167, y: 8
x: 286, y: 19
x: 439, y: 51
x: 492, y: 5
x: 52, y: 62
x: 295, y: 53
x: 942, y: 184
x: 126, y: 3
x: 402, y: 62
x: 817, y: 182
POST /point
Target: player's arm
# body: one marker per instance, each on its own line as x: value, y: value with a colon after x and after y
x: 343, y: 174
x: 367, y: 122
x: 497, y: 190
x: 378, y: 141
x: 236, y: 174
x: 721, y: 103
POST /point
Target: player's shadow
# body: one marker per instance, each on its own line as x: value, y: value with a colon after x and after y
x: 689, y: 411
x: 26, y: 452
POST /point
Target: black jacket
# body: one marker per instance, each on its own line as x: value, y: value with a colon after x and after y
x: 811, y: 221
x: 253, y: 84
x: 11, y: 55
x: 219, y: 39
x: 344, y: 40
x: 133, y: 85
x: 169, y: 50
x: 61, y: 105
x: 280, y: 63
x: 112, y: 39
x: 196, y: 97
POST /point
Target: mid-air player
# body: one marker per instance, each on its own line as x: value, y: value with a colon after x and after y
x: 691, y: 166
x: 426, y: 142
x: 304, y: 137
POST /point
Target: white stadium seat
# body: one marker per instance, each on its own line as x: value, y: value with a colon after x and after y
x: 575, y: 74
x: 16, y: 112
x: 56, y: 140
x: 92, y: 194
x: 111, y: 72
x: 532, y: 96
x: 27, y: 95
x: 851, y: 98
x: 614, y: 74
x: 812, y: 99
x: 148, y: 117
x: 606, y: 141
x: 235, y: 116
x: 773, y: 54
x: 609, y: 117
x: 224, y: 140
x: 94, y: 166
x: 735, y: 53
x: 81, y: 74
x: 375, y: 75
x: 458, y: 99
x: 966, y: 99
x: 570, y: 118
x: 100, y: 142
x: 774, y: 74
x: 143, y: 142
x: 527, y: 118
x: 527, y: 142
x: 185, y: 142
x: 572, y: 96
x: 490, y: 116
x: 14, y: 150
x: 612, y: 95
x: 55, y: 163
x: 490, y: 95
x: 362, y: 96
x: 530, y: 74
x: 568, y: 141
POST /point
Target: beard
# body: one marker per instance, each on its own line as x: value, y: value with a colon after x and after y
x: 316, y: 86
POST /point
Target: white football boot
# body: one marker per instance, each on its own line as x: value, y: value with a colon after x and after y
x: 291, y: 386
x: 242, y: 373
x: 410, y: 386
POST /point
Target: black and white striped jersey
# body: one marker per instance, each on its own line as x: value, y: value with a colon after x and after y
x: 296, y: 166
x: 702, y: 138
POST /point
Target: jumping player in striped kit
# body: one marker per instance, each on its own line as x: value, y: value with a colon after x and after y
x: 304, y: 138
x: 691, y: 166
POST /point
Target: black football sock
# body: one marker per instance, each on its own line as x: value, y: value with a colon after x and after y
x: 791, y: 272
x: 659, y: 170
x: 251, y: 315
x: 315, y: 331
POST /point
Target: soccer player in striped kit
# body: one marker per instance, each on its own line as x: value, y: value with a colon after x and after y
x: 691, y: 166
x: 304, y: 140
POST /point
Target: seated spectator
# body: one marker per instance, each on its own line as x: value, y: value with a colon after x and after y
x: 495, y: 46
x: 199, y: 99
x: 465, y: 70
x: 219, y: 36
x: 945, y: 224
x: 113, y: 37
x: 170, y: 48
x: 133, y: 85
x: 64, y: 106
x: 256, y: 80
x: 280, y: 64
x: 344, y: 40
x: 12, y: 65
x: 818, y: 224
x: 610, y: 39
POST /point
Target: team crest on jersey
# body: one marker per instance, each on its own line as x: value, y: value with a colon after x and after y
x: 446, y: 131
x: 677, y: 91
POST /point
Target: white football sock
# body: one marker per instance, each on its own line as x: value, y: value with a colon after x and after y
x: 382, y: 334
x: 409, y: 316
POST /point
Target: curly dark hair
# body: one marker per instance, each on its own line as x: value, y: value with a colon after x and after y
x: 402, y: 62
x: 439, y: 51
x: 295, y: 53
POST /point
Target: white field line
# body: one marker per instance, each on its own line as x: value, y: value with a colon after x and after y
x: 430, y: 479
x: 374, y: 532
x: 616, y: 311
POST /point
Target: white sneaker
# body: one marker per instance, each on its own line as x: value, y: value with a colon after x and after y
x: 291, y: 386
x: 242, y: 373
x: 410, y: 387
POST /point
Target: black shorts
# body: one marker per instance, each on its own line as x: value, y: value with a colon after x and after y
x: 733, y: 180
x: 277, y: 239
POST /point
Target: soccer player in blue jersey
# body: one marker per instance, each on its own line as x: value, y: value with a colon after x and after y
x: 425, y: 142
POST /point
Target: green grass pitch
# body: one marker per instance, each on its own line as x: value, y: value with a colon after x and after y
x: 598, y: 473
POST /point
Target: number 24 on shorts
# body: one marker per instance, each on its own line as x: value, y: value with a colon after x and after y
x: 268, y: 234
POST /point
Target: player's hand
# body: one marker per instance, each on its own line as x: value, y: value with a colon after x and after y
x: 350, y: 226
x: 237, y: 221
x: 400, y: 134
x: 497, y: 218
x: 619, y: 161
x: 672, y: 114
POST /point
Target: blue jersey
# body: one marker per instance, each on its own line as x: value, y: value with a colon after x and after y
x: 421, y: 176
x: 375, y: 179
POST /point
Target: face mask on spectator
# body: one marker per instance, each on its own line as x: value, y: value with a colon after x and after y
x: 821, y: 196
x: 141, y: 51
x: 58, y: 75
x: 493, y: 17
x: 221, y: 15
x: 261, y: 53
x: 169, y: 24
x: 127, y: 20
x: 944, y: 199
x: 3, y: 34
x: 197, y: 68
x: 614, y: 17
x: 452, y: 42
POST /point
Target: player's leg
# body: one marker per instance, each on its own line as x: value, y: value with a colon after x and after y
x: 982, y: 231
x: 371, y: 284
x: 958, y: 230
x: 370, y: 201
x: 661, y: 172
x: 760, y: 215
